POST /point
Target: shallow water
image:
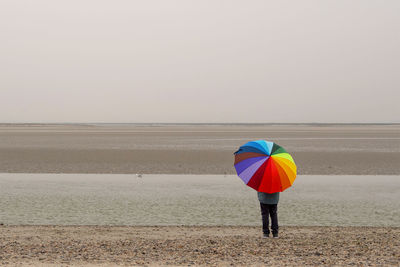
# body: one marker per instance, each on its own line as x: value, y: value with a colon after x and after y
x: 104, y: 199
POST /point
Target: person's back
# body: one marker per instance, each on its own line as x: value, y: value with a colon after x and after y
x: 269, y: 207
x: 266, y: 198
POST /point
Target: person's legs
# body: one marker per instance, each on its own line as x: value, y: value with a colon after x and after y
x: 265, y: 219
x: 273, y: 212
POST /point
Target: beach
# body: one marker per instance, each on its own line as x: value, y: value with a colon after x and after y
x: 136, y: 195
x: 197, y: 246
x: 159, y: 133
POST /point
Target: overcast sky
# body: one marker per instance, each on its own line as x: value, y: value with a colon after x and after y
x: 199, y: 61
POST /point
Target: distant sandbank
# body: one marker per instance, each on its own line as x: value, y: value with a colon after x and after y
x: 194, y: 148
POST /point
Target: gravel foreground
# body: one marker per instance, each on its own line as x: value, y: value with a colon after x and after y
x: 197, y: 246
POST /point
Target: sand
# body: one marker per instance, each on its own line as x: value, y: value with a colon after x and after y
x: 194, y: 149
x: 186, y: 245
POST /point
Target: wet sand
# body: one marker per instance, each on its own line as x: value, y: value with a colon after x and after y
x: 194, y: 149
x: 211, y: 200
x: 210, y: 246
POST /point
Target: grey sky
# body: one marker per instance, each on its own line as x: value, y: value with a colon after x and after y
x: 199, y: 61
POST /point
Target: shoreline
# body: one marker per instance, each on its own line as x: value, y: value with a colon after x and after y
x: 197, y: 246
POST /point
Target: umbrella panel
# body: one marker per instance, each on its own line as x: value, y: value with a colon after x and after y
x: 256, y: 179
x: 243, y: 156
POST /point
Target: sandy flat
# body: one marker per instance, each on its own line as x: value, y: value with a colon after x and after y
x: 194, y: 149
x: 186, y: 245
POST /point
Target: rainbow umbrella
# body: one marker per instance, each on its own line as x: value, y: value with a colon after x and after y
x: 265, y: 166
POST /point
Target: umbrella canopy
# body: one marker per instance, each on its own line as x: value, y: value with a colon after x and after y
x: 265, y: 166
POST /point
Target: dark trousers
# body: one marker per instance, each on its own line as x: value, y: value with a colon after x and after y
x: 269, y: 210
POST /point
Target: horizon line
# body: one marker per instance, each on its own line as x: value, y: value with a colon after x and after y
x: 200, y: 123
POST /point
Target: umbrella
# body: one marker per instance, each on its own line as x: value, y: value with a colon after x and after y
x: 265, y: 166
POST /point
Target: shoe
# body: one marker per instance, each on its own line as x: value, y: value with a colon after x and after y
x: 275, y: 235
x: 265, y: 235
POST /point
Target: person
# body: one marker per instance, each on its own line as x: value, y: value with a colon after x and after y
x: 269, y: 208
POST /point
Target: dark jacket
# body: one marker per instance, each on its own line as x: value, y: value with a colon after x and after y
x: 266, y: 198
